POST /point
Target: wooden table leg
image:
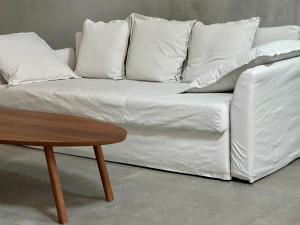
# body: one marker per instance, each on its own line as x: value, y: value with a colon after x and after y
x: 103, y: 173
x: 56, y: 186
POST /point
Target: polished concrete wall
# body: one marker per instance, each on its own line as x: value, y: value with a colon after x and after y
x: 58, y: 20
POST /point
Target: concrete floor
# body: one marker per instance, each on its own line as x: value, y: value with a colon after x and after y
x: 142, y: 196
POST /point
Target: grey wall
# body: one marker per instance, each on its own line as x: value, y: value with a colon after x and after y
x: 58, y: 20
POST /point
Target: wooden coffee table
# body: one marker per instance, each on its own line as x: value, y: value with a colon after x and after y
x: 19, y: 127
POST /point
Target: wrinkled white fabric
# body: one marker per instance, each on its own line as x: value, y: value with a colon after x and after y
x: 266, y: 35
x: 125, y: 102
x: 227, y: 74
x: 265, y: 121
x: 169, y: 136
x: 206, y: 112
x: 184, y: 151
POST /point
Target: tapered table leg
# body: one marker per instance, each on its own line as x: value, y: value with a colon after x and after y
x: 104, y: 174
x: 56, y: 186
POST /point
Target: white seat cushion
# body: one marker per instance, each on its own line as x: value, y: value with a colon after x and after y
x: 124, y: 102
x: 102, y: 99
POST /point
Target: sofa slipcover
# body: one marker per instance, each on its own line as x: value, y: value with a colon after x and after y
x: 262, y: 137
x: 180, y: 133
x: 184, y: 151
x: 265, y: 121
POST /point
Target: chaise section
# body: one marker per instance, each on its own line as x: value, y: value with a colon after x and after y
x: 186, y: 133
x: 265, y: 122
x: 133, y: 103
x: 101, y: 99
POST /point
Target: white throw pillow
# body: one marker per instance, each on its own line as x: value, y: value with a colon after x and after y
x: 66, y: 55
x: 269, y: 34
x: 26, y: 58
x: 157, y: 49
x: 212, y: 45
x: 103, y: 49
x: 231, y: 70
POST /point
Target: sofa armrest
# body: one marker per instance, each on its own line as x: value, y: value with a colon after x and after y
x: 265, y: 119
x: 67, y: 55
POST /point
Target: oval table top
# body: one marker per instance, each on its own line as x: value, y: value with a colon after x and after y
x: 20, y: 127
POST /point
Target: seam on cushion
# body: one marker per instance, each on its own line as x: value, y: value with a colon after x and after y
x: 220, y: 126
x: 125, y: 113
x: 186, y: 55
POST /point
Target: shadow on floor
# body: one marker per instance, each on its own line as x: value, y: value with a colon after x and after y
x: 31, y: 187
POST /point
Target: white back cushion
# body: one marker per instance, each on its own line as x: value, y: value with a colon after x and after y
x: 78, y: 35
x: 26, y: 58
x: 212, y: 45
x: 103, y: 49
x: 157, y: 49
x: 268, y: 34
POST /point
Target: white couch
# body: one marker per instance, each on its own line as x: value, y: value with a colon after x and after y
x: 247, y: 134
